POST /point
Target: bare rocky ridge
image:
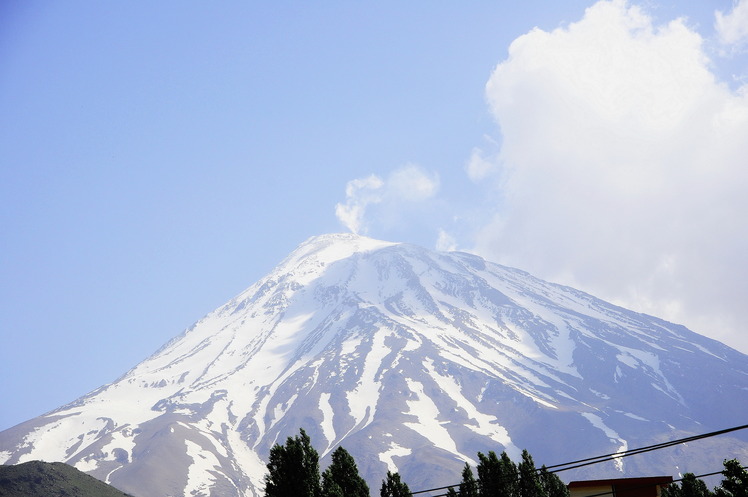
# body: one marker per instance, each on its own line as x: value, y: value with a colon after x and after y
x: 413, y: 360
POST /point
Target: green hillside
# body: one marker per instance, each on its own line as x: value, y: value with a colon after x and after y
x: 43, y: 479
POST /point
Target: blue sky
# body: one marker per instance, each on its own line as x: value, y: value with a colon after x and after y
x: 160, y: 157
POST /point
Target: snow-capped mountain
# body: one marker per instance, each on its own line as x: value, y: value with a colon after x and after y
x: 414, y: 361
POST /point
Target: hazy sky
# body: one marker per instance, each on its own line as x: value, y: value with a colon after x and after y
x: 156, y: 158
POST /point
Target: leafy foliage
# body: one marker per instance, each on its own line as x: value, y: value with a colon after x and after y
x: 468, y: 486
x: 551, y: 485
x: 499, y: 476
x: 529, y: 482
x: 735, y: 481
x: 734, y: 484
x: 342, y: 478
x: 393, y: 487
x: 293, y: 469
x: 490, y: 477
x: 690, y: 487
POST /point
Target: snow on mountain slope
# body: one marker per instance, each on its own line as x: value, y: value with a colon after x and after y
x: 411, y: 359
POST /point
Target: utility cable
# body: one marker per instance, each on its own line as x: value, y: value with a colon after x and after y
x: 557, y: 468
x: 639, y: 487
x: 628, y: 489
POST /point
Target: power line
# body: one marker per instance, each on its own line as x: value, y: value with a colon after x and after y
x: 617, y: 455
x: 613, y: 492
x: 609, y: 457
x: 639, y: 487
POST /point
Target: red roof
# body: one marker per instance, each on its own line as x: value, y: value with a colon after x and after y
x: 643, y: 481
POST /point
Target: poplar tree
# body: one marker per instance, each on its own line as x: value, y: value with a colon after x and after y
x: 529, y: 483
x: 393, y: 487
x: 342, y: 478
x: 497, y: 477
x: 468, y: 486
x: 293, y: 469
x: 551, y: 484
x: 509, y: 476
x: 490, y: 481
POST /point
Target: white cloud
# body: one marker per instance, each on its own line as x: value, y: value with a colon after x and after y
x: 359, y: 193
x: 408, y: 184
x: 623, y: 168
x: 732, y: 28
x: 479, y: 167
x: 412, y: 183
x: 446, y: 242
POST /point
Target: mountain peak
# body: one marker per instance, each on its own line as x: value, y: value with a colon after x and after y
x: 414, y: 360
x: 335, y: 246
x: 322, y: 250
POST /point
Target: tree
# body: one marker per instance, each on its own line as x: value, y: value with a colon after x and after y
x: 551, y: 484
x: 451, y: 492
x: 509, y: 477
x: 332, y: 489
x: 672, y: 490
x: 468, y: 486
x: 690, y: 486
x: 342, y: 477
x: 735, y: 481
x: 734, y: 484
x: 497, y: 477
x: 489, y: 475
x: 529, y: 483
x: 393, y: 487
x: 293, y: 469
